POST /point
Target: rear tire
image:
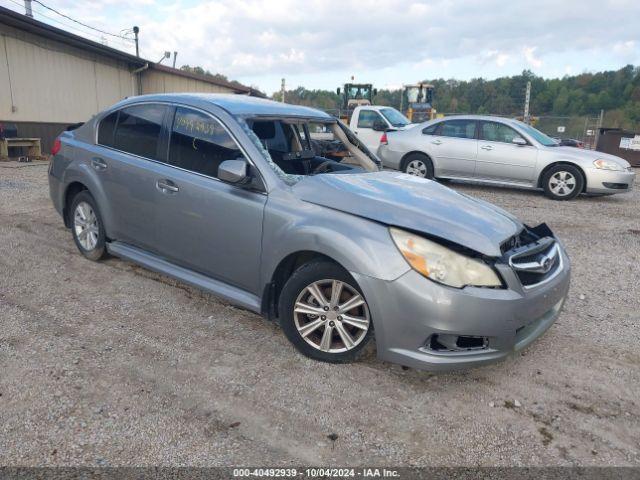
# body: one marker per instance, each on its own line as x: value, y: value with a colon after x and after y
x: 87, y: 227
x: 419, y: 165
x: 563, y: 182
x: 316, y: 316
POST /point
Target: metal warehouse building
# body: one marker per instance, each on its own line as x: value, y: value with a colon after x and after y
x: 50, y: 78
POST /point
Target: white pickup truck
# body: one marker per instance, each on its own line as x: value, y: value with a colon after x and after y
x: 369, y: 122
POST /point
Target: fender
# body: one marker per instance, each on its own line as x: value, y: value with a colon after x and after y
x: 292, y: 225
x: 80, y: 171
x: 562, y: 161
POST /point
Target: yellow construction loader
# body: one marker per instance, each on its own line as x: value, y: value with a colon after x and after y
x: 417, y: 102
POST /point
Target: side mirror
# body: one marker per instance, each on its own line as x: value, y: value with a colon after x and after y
x: 375, y: 92
x: 338, y: 91
x: 233, y: 171
x: 379, y: 126
x: 521, y: 142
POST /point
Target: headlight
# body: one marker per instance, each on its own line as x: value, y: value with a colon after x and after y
x: 442, y: 264
x: 607, y: 165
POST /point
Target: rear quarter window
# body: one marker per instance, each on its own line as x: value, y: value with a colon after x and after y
x: 431, y: 129
x: 107, y: 128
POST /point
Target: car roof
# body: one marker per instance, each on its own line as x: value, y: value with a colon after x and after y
x: 242, y: 105
x: 375, y: 107
x: 488, y: 118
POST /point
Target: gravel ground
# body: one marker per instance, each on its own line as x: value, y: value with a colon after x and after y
x: 109, y: 364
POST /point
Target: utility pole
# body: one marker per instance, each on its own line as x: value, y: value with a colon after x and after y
x: 27, y: 8
x: 597, y: 132
x: 175, y: 55
x: 282, y: 90
x: 527, y: 98
x: 135, y: 32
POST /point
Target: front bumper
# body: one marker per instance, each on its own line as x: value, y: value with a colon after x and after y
x: 409, y: 310
x: 608, y: 181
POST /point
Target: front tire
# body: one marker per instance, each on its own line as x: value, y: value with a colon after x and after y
x: 87, y: 227
x: 324, y: 314
x: 563, y: 182
x: 418, y: 165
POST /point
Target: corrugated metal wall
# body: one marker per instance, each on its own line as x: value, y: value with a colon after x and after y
x: 46, y: 81
x: 46, y: 85
x: 154, y: 81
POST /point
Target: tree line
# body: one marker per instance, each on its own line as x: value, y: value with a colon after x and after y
x: 616, y: 92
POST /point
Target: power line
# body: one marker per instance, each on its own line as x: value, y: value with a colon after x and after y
x: 71, y: 27
x: 79, y: 22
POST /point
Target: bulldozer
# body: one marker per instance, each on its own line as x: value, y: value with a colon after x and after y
x: 354, y: 95
x: 418, y: 99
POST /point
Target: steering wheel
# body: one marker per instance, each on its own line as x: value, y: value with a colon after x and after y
x: 324, y: 167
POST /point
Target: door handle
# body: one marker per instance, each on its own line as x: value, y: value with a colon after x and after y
x: 436, y: 142
x: 486, y: 147
x: 98, y: 163
x: 167, y: 186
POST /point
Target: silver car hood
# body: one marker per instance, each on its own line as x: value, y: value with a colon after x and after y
x: 406, y: 201
x: 585, y: 154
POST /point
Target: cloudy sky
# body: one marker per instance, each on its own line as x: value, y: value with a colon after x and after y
x: 321, y: 44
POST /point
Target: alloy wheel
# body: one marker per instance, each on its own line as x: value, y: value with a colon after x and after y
x: 85, y: 224
x: 417, y: 168
x: 331, y: 316
x: 562, y: 183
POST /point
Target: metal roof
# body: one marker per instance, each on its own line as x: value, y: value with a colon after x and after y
x: 28, y: 24
x: 205, y: 78
x: 22, y: 22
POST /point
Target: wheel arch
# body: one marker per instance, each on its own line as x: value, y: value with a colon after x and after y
x: 82, y: 177
x: 563, y: 162
x: 404, y: 158
x: 73, y: 189
x: 281, y: 274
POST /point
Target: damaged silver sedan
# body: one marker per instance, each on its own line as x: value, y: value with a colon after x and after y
x: 281, y: 210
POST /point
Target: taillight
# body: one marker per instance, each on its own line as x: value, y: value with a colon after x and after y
x: 383, y: 139
x: 56, y: 146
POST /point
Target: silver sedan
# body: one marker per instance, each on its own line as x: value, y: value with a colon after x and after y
x: 227, y: 193
x: 503, y: 151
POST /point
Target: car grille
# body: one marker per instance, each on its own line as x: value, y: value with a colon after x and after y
x: 537, y: 262
x: 522, y: 238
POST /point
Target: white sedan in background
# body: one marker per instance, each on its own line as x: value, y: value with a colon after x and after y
x: 502, y: 151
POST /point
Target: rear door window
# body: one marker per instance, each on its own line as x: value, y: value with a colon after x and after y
x: 138, y: 129
x: 199, y: 143
x: 459, y: 129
